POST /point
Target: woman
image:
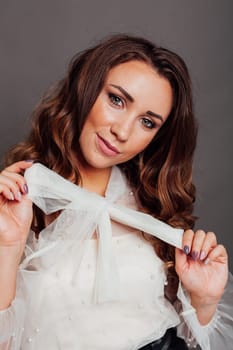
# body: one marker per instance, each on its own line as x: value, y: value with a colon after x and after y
x: 120, y: 125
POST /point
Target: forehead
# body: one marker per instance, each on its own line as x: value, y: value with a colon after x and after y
x: 135, y: 66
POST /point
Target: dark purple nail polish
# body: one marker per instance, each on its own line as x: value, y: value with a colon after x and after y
x: 195, y: 255
x: 186, y: 249
x: 25, y: 188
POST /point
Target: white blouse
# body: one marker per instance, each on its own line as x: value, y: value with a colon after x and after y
x: 79, y: 293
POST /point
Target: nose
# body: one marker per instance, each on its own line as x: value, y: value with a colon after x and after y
x: 122, y: 128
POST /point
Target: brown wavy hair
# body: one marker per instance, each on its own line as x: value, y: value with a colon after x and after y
x: 161, y: 175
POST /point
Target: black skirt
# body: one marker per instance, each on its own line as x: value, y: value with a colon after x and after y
x: 169, y: 341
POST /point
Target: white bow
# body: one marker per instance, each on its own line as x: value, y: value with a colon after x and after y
x: 51, y: 192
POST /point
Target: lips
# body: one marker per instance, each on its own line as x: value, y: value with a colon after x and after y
x: 105, y: 147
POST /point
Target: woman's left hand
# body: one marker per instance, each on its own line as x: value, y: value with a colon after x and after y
x: 202, y: 267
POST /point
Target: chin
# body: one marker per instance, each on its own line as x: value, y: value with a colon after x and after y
x: 95, y: 164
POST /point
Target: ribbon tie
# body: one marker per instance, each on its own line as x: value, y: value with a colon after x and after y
x: 52, y: 193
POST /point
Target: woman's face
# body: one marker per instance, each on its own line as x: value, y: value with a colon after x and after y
x: 131, y: 108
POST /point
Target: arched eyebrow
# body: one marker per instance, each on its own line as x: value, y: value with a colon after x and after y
x: 124, y: 92
x: 152, y: 114
x: 131, y: 99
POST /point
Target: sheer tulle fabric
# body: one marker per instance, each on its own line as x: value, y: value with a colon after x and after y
x: 74, y: 292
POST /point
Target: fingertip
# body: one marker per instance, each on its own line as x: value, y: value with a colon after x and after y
x: 195, y: 255
x: 188, y: 232
x: 28, y: 162
x: 24, y: 164
x: 187, y: 241
x: 186, y: 249
x: 202, y: 255
x: 18, y: 196
x: 18, y: 166
x: 25, y: 189
x: 11, y: 196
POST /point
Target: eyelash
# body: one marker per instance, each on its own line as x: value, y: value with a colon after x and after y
x: 116, y: 101
x: 147, y: 123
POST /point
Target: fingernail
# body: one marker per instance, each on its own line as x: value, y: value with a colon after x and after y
x: 29, y: 160
x: 25, y: 188
x: 18, y: 196
x: 186, y: 249
x: 195, y: 255
x: 206, y: 261
x: 202, y: 255
x: 12, y: 198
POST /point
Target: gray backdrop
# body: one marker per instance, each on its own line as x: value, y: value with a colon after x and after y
x: 37, y: 39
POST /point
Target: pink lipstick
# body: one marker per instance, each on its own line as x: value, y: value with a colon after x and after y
x: 105, y: 147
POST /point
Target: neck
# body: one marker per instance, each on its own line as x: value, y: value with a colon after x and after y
x: 95, y: 180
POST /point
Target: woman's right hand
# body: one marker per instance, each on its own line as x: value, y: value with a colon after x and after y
x: 15, y: 221
x: 15, y: 207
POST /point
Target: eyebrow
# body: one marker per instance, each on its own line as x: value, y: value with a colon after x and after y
x: 131, y: 99
x: 124, y: 92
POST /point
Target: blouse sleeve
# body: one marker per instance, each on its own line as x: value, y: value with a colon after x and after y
x: 218, y: 333
x: 12, y: 319
x: 11, y: 325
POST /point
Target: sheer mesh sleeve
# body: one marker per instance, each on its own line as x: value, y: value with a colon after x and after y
x: 11, y: 325
x: 12, y: 319
x: 218, y: 333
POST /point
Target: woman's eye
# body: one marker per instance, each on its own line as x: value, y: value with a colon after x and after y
x: 116, y: 100
x: 148, y: 123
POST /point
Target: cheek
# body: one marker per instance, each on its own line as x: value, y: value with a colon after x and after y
x: 98, y: 114
x: 102, y: 114
x: 146, y: 137
x: 91, y: 123
x: 140, y: 143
